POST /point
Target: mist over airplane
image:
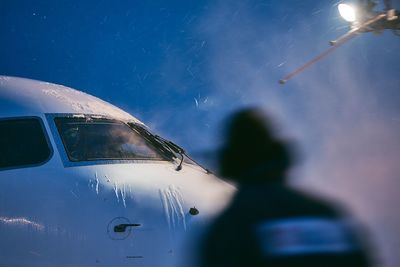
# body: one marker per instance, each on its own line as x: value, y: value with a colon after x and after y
x: 83, y: 183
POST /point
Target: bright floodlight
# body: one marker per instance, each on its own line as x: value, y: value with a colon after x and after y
x: 347, y: 12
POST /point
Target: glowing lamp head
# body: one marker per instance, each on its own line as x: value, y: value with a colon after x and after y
x: 347, y: 12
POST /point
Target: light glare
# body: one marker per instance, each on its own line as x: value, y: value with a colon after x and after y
x: 347, y: 12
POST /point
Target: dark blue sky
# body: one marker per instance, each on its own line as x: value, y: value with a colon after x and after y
x: 152, y: 57
x: 182, y: 66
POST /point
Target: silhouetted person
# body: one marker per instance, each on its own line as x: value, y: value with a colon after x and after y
x: 268, y: 223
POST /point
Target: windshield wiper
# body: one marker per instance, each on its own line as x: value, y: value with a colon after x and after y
x: 154, y: 140
x: 175, y: 148
x: 168, y: 148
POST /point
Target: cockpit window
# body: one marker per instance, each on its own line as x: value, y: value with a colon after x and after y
x: 23, y: 143
x: 87, y: 139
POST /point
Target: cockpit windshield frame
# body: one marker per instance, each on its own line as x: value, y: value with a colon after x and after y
x: 63, y: 150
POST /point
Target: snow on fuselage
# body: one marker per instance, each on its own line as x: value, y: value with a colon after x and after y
x: 82, y: 183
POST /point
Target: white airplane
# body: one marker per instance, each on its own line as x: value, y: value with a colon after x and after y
x: 83, y: 183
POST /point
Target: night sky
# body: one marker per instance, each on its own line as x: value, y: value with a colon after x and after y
x: 183, y: 66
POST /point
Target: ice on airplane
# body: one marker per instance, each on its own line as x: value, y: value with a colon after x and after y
x: 83, y: 183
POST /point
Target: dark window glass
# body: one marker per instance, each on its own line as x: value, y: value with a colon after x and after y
x: 100, y: 139
x: 22, y: 142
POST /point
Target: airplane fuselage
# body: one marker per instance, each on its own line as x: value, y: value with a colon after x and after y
x: 82, y: 185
